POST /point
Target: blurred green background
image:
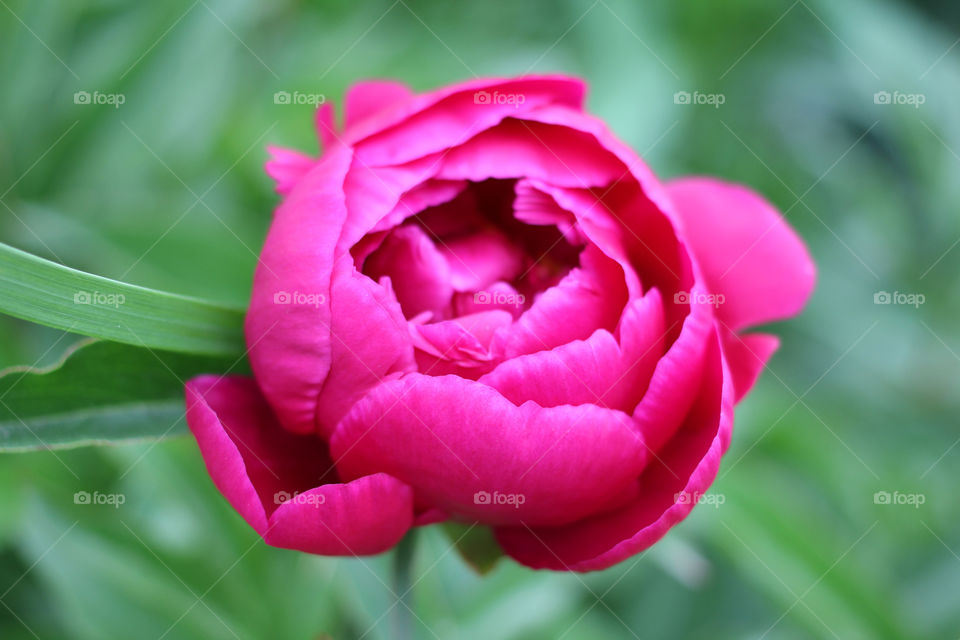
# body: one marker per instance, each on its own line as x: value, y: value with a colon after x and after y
x: 168, y: 191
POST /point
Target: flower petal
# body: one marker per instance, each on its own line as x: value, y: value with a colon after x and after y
x: 289, y: 348
x: 365, y: 99
x: 436, y: 121
x: 668, y: 490
x: 278, y: 481
x: 360, y: 356
x: 452, y: 439
x: 363, y: 517
x: 286, y: 167
x: 747, y: 355
x: 418, y: 271
x: 600, y: 370
x: 746, y: 250
x: 676, y: 380
x: 588, y: 298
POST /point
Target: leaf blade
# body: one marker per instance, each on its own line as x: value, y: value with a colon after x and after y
x: 44, y: 292
x: 99, y: 393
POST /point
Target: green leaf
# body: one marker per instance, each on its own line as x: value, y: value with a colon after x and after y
x: 99, y: 393
x: 476, y: 545
x: 51, y: 294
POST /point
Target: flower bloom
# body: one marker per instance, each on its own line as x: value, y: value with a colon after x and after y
x: 477, y: 304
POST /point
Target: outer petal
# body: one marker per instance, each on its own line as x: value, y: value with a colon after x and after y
x: 668, y: 489
x: 365, y: 99
x: 436, y: 121
x: 286, y: 167
x: 520, y: 149
x: 278, y: 481
x: 747, y: 355
x: 369, y: 342
x: 452, y: 438
x: 745, y: 249
x: 676, y: 379
x: 289, y: 345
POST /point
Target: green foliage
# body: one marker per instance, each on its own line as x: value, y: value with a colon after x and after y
x: 100, y: 393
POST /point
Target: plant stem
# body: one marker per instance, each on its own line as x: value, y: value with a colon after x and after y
x: 402, y: 587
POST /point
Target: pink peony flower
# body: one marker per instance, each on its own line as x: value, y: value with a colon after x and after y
x: 479, y: 305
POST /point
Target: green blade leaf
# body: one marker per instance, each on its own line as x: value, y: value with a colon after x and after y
x: 51, y: 294
x: 99, y: 393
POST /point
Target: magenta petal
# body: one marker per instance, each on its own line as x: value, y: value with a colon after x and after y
x: 520, y: 149
x: 274, y: 478
x: 668, y: 490
x: 600, y: 370
x: 480, y: 259
x: 418, y: 271
x: 746, y: 356
x: 363, y: 517
x: 452, y: 439
x: 588, y: 298
x: 437, y: 121
x: 290, y: 343
x: 365, y: 99
x: 286, y: 167
x: 746, y: 251
x: 459, y: 346
x: 369, y: 342
x: 676, y: 380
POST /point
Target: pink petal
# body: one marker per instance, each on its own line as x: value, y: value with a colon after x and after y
x: 591, y: 296
x: 534, y: 206
x: 286, y: 167
x: 518, y: 149
x: 668, y: 490
x: 366, y: 99
x: 676, y: 380
x: 601, y: 370
x: 370, y: 342
x: 374, y: 195
x: 497, y: 296
x: 747, y: 356
x: 482, y: 258
x: 289, y: 347
x: 451, y: 438
x: 363, y: 517
x: 278, y: 481
x: 434, y: 122
x: 419, y: 272
x: 745, y: 249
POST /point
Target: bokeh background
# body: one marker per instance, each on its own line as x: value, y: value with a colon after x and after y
x: 167, y: 191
